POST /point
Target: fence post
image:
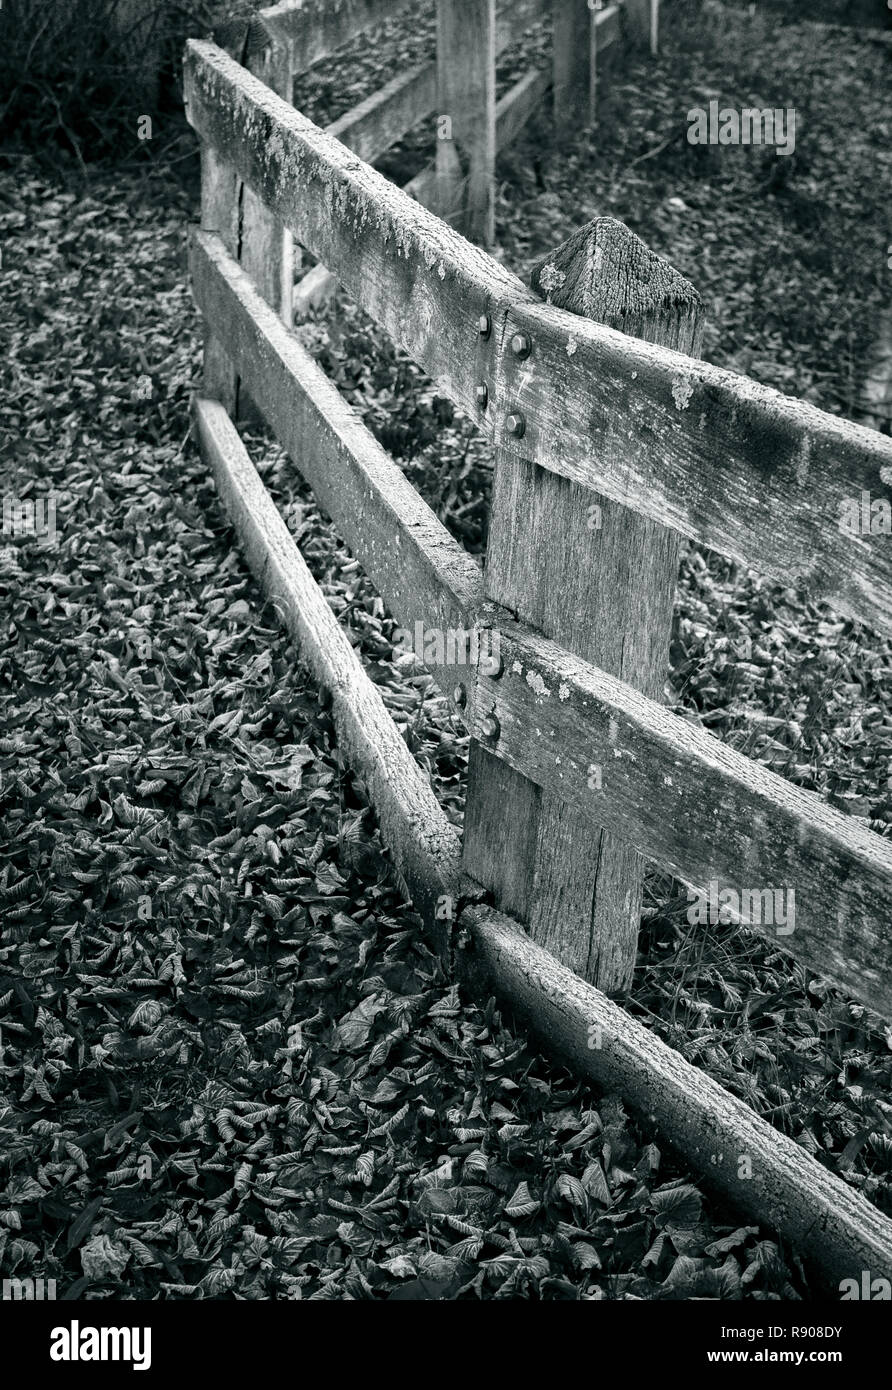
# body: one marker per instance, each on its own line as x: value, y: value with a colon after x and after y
x: 247, y: 229
x: 600, y: 579
x: 267, y: 249
x: 466, y: 116
x: 219, y: 214
x: 643, y: 18
x: 571, y: 29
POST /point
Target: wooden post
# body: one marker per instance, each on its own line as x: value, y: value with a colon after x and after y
x: 220, y: 214
x: 248, y: 230
x: 643, y: 22
x: 267, y: 250
x: 599, y: 579
x: 571, y: 25
x: 466, y: 116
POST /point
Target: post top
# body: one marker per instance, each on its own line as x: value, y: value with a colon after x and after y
x: 607, y: 273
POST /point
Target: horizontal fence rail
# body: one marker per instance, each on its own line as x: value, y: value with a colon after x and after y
x: 315, y: 29
x: 697, y: 807
x: 756, y: 475
x: 423, y: 573
x: 422, y: 843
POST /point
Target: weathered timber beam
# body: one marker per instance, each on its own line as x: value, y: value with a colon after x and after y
x: 832, y: 1226
x: 421, y: 571
x: 697, y: 807
x: 317, y: 28
x: 423, y: 845
x: 756, y: 475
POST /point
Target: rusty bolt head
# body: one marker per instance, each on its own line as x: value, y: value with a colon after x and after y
x: 460, y: 696
x: 482, y: 394
x: 489, y: 726
x: 484, y: 325
x: 521, y: 345
x: 515, y: 424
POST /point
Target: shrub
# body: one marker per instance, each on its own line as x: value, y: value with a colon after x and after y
x: 76, y: 75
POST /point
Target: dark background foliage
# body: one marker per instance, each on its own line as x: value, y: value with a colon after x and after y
x: 71, y: 74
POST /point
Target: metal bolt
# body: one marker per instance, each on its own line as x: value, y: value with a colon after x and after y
x: 493, y: 666
x: 484, y: 325
x: 516, y: 424
x: 460, y: 696
x: 489, y: 726
x: 482, y: 394
x: 521, y: 345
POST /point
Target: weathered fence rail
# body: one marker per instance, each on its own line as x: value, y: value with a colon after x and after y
x: 591, y: 771
x: 286, y: 40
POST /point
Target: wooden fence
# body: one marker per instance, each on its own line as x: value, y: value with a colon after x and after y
x: 283, y: 42
x: 611, y: 442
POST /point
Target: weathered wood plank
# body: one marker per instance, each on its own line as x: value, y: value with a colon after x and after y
x: 266, y: 244
x: 605, y: 592
x: 423, y: 845
x: 516, y: 16
x: 571, y: 29
x: 423, y: 574
x: 834, y: 1228
x: 370, y: 128
x: 606, y: 25
x: 466, y: 105
x: 318, y: 28
x: 695, y: 807
x: 219, y: 215
x: 518, y: 104
x: 756, y: 475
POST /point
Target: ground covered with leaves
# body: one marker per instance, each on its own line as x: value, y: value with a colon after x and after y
x: 229, y: 1066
